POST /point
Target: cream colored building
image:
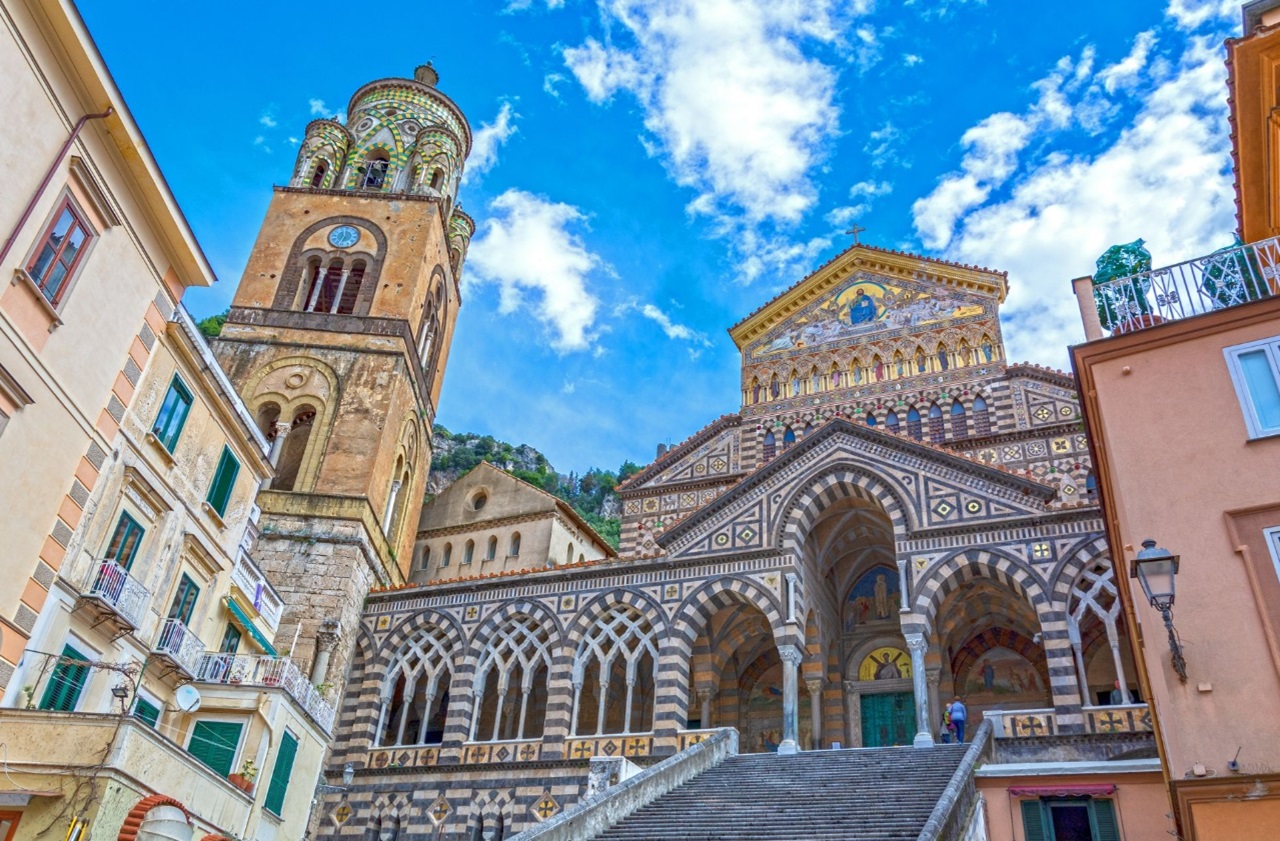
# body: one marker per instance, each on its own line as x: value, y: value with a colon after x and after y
x: 128, y: 511
x: 159, y: 592
x: 94, y: 255
x: 491, y: 522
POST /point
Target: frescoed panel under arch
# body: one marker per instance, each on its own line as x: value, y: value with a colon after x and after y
x: 886, y: 663
x: 1003, y: 676
x: 875, y: 597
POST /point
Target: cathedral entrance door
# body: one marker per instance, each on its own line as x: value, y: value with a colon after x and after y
x: 888, y: 718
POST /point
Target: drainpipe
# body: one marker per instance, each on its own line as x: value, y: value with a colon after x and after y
x: 48, y: 176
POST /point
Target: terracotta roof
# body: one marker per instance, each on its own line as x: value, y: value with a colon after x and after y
x: 863, y: 245
x: 1068, y: 378
x: 487, y: 576
x: 679, y: 450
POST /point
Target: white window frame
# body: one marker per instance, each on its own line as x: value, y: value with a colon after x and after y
x: 1273, y: 544
x: 1233, y: 354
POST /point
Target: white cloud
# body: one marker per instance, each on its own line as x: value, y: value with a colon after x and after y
x: 293, y: 141
x: 880, y: 147
x: 911, y: 59
x: 732, y: 104
x: 673, y: 330
x: 1126, y: 72
x: 268, y: 121
x: 1190, y: 15
x: 485, y: 142
x: 317, y: 107
x: 1164, y: 178
x: 552, y: 82
x: 868, y: 190
x: 523, y: 5
x: 528, y: 247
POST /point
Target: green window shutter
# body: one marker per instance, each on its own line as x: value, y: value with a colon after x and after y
x: 280, y: 774
x: 173, y: 415
x: 1104, y: 819
x: 214, y: 743
x: 223, y: 480
x: 184, y: 601
x: 66, y: 683
x: 1033, y: 821
x: 146, y: 711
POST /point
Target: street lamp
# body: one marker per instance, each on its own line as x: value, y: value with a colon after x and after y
x: 1157, y: 570
x: 121, y: 693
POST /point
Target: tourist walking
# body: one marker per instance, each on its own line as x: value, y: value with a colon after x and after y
x: 958, y: 715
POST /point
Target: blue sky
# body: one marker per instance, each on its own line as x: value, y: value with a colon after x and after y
x: 647, y: 172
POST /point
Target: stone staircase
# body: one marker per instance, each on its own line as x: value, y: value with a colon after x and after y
x: 872, y: 794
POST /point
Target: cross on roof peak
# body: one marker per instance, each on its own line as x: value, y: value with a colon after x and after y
x: 854, y: 231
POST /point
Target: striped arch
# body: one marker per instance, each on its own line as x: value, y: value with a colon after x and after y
x: 494, y: 622
x: 696, y: 610
x: 591, y: 612
x: 838, y: 482
x: 428, y: 616
x: 968, y: 564
x: 1076, y: 561
x: 358, y: 710
x: 491, y: 804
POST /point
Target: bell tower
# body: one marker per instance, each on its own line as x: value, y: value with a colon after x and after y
x: 337, y: 341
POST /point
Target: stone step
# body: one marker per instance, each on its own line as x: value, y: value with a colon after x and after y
x: 875, y: 794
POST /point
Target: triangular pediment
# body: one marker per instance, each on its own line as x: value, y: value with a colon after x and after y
x: 932, y: 489
x: 868, y: 292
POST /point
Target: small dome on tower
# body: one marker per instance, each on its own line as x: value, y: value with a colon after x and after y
x: 426, y: 74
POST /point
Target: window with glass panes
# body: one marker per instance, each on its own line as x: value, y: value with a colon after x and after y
x: 224, y: 478
x: 66, y: 681
x: 280, y: 773
x: 173, y: 414
x: 59, y: 252
x: 230, y: 640
x: 1255, y: 371
x: 123, y: 545
x: 184, y: 601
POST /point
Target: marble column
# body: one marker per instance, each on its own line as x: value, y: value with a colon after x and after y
x: 706, y: 694
x: 918, y: 645
x: 281, y: 431
x: 933, y: 676
x: 902, y: 586
x: 1113, y: 639
x: 853, y: 713
x: 326, y: 641
x: 791, y: 656
x: 391, y: 507
x: 815, y: 712
x: 1077, y: 652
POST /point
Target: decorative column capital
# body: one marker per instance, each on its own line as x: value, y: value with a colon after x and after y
x: 328, y: 635
x: 279, y: 429
x: 815, y: 686
x: 790, y: 654
x: 705, y: 693
x: 917, y: 643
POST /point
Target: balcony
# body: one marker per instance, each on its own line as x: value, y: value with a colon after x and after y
x: 114, y: 598
x: 257, y: 591
x: 1225, y: 278
x: 178, y: 648
x: 282, y: 673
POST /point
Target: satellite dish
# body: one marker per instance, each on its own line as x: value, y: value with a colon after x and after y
x: 187, y: 697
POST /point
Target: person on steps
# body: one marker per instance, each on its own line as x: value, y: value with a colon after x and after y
x: 958, y: 715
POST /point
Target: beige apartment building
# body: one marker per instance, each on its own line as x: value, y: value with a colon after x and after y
x: 142, y: 693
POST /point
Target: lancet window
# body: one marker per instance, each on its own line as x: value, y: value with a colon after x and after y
x: 333, y: 288
x: 1094, y: 595
x: 375, y: 170
x: 613, y: 675
x: 981, y: 418
x: 770, y: 446
x: 891, y: 421
x: 415, y: 696
x: 511, y: 683
x: 515, y: 545
x: 959, y: 423
x: 937, y: 432
x: 914, y: 427
x: 788, y: 439
x: 317, y: 177
x: 491, y: 551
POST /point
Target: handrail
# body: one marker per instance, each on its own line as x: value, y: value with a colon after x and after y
x: 589, y: 818
x: 960, y: 791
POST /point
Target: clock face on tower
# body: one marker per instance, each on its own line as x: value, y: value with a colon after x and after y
x: 344, y: 236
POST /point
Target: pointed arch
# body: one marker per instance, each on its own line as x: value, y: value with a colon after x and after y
x: 981, y: 417
x: 837, y: 483
x: 937, y: 429
x: 959, y: 423
x: 948, y: 576
x: 915, y: 428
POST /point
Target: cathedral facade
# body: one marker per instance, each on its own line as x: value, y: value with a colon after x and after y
x: 895, y: 515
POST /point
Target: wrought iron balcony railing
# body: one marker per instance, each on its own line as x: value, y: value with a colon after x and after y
x: 112, y: 585
x: 266, y: 671
x: 180, y: 644
x: 1225, y: 278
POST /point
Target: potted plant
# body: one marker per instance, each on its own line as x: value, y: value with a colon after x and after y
x: 244, y: 780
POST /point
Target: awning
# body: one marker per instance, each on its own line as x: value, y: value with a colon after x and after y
x: 242, y: 619
x: 1099, y: 790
